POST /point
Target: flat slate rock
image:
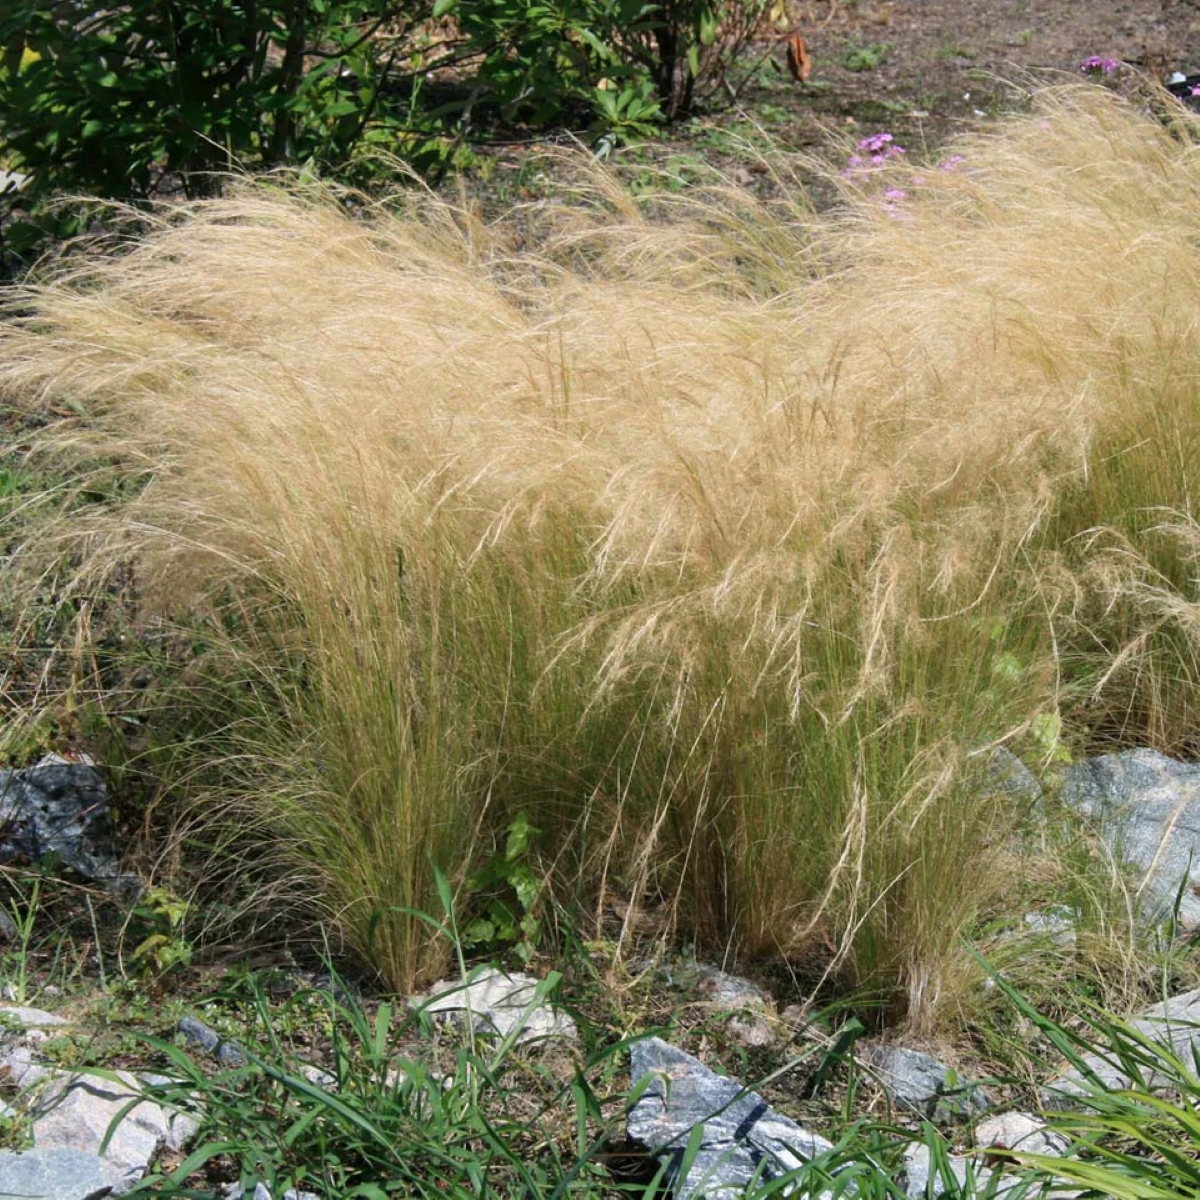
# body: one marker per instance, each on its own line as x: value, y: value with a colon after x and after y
x: 30, y: 1018
x: 1147, y: 808
x: 52, y: 1175
x: 1175, y: 1023
x: 921, y: 1182
x: 744, y: 1138
x: 76, y: 1113
x: 919, y: 1083
x: 495, y: 1002
x: 1023, y: 1132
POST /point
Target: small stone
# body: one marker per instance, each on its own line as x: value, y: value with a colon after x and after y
x: 918, y: 1167
x: 1055, y: 925
x: 920, y: 1183
x: 30, y: 1018
x: 751, y: 1030
x: 499, y: 1003
x: 318, y: 1077
x: 235, y: 1191
x: 12, y: 181
x: 728, y: 991
x: 918, y: 1082
x: 750, y: 1025
x: 200, y: 1037
x: 1020, y: 1131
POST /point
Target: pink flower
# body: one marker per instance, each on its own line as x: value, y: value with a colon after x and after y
x: 1096, y: 65
x: 875, y: 143
x: 880, y: 147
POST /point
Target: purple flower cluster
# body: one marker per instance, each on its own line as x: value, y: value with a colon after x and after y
x: 881, y: 147
x: 1096, y: 65
x: 874, y: 151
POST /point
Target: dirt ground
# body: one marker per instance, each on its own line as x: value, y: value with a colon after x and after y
x: 925, y: 70
x: 934, y: 66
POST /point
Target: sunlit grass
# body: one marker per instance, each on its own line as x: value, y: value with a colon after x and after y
x: 724, y: 541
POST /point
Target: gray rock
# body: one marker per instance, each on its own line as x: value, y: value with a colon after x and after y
x: 199, y: 1037
x: 1014, y: 1131
x: 752, y: 1029
x: 30, y: 1018
x: 728, y: 991
x: 1147, y: 809
x: 750, y: 1024
x: 1096, y: 782
x: 22, y: 1030
x: 495, y: 1002
x: 318, y: 1077
x: 21, y: 1067
x: 1023, y: 1132
x: 1175, y: 1024
x: 52, y: 1175
x: 1011, y: 776
x: 77, y: 1112
x: 918, y: 1169
x: 920, y: 1182
x: 750, y: 1009
x: 261, y: 1192
x: 918, y: 1082
x: 744, y: 1138
x: 59, y: 808
x: 1055, y: 925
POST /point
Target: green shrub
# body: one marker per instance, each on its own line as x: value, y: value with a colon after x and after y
x: 630, y: 61
x: 110, y: 100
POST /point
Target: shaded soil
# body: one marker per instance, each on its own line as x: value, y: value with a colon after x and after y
x: 931, y: 68
x: 924, y: 70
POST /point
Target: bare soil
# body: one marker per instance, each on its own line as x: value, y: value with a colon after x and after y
x: 931, y: 68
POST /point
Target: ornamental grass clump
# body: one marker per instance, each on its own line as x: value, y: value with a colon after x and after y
x: 721, y: 541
